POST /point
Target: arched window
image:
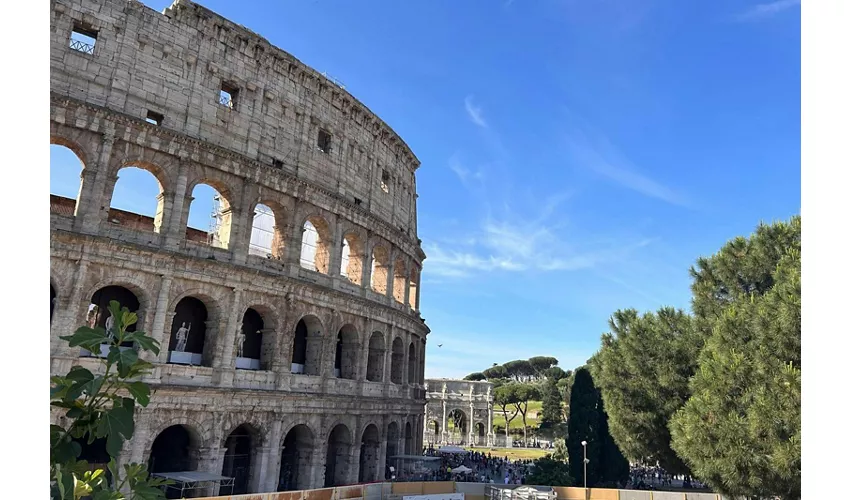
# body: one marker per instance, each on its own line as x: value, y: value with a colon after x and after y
x: 66, y: 169
x: 393, y: 437
x: 375, y: 364
x: 237, y: 463
x: 98, y: 312
x: 138, y: 201
x: 249, y: 343
x: 52, y: 301
x: 370, y: 445
x: 399, y: 280
x: 188, y: 333
x: 296, y: 459
x: 315, y: 253
x: 267, y: 240
x: 339, y: 448
x: 380, y: 269
x: 210, y: 217
x: 175, y: 449
x: 414, y: 288
x: 345, y: 363
x: 411, y: 364
x: 307, y: 346
x: 352, y: 259
x: 397, y: 361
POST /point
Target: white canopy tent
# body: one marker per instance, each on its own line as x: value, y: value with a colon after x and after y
x: 193, y: 480
x: 461, y: 470
x: 457, y: 450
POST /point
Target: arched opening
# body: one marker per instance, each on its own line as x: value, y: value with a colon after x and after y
x: 345, y: 361
x: 138, y: 200
x: 295, y: 460
x: 399, y: 280
x: 237, y: 461
x: 52, y: 301
x: 411, y: 364
x: 249, y: 342
x: 307, y: 346
x: 174, y: 450
x: 481, y: 434
x: 408, y: 439
x: 433, y: 431
x: 94, y: 453
x: 66, y: 168
x: 188, y: 332
x: 370, y: 444
x: 339, y: 449
x: 414, y: 287
x: 267, y: 240
x: 457, y: 426
x: 210, y: 217
x: 99, y: 315
x: 422, y: 362
x: 375, y: 363
x: 315, y: 252
x: 352, y: 259
x: 397, y: 361
x: 393, y: 435
x: 380, y: 270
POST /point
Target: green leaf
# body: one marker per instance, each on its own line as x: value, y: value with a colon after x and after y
x: 140, y: 391
x: 117, y: 425
x: 88, y: 338
x: 79, y: 374
x: 143, y: 341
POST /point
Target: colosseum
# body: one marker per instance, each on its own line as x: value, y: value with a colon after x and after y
x: 299, y: 365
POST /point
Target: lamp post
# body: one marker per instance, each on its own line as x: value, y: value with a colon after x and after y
x: 584, y: 449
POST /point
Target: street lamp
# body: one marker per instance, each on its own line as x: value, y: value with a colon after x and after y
x: 584, y: 449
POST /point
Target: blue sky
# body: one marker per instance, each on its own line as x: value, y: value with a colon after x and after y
x: 577, y: 156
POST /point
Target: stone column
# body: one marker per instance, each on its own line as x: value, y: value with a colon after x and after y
x: 158, y: 331
x: 418, y: 288
x: 259, y: 470
x: 335, y: 249
x: 90, y: 202
x: 141, y: 438
x: 175, y: 231
x: 66, y: 317
x: 292, y: 249
x: 223, y: 361
x: 388, y: 357
x: 443, y: 432
x: 366, y: 271
x: 471, y: 432
x: 407, y: 286
x: 210, y: 460
x: 391, y: 277
x: 490, y: 436
x: 242, y: 225
x: 317, y: 464
x: 271, y: 461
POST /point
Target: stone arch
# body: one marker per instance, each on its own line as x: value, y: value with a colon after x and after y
x: 393, y: 440
x: 175, y: 447
x: 353, y: 257
x: 347, y: 347
x: 260, y: 336
x: 98, y: 315
x: 408, y: 439
x: 223, y: 206
x: 399, y: 279
x: 75, y: 146
x: 413, y: 286
x: 377, y: 354
x: 54, y: 297
x: 315, y: 244
x: 60, y: 204
x: 380, y: 269
x: 268, y: 239
x: 480, y: 434
x: 457, y: 425
x: 133, y: 218
x: 297, y: 450
x: 241, y: 448
x: 397, y: 361
x: 193, y: 323
x: 370, y: 445
x: 307, y: 345
x: 411, y: 363
x: 337, y: 464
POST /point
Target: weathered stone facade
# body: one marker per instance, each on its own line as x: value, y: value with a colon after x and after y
x: 287, y: 138
x: 472, y: 402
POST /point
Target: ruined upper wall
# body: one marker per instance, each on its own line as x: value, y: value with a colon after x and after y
x: 175, y: 64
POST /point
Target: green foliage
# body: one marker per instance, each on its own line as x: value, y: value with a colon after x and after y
x: 495, y: 372
x: 549, y: 472
x: 542, y: 363
x: 520, y: 370
x: 505, y: 396
x: 475, y: 377
x: 643, y: 370
x: 101, y: 406
x: 523, y: 393
x: 588, y: 422
x: 740, y: 431
x: 553, y: 411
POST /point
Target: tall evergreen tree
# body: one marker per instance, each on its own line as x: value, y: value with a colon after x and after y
x: 614, y: 466
x: 553, y: 411
x: 582, y: 426
x: 740, y: 431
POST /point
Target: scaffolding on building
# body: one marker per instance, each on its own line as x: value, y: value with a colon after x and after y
x: 262, y: 232
x: 213, y: 237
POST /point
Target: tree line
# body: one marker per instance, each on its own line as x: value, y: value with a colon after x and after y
x: 713, y: 392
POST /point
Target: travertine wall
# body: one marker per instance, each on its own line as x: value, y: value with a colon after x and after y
x: 262, y: 150
x: 473, y: 399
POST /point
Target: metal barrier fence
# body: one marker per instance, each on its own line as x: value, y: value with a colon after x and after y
x: 471, y: 491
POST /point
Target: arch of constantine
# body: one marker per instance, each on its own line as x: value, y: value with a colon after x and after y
x: 458, y: 412
x: 299, y: 366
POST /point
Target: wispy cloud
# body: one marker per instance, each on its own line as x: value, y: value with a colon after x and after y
x: 474, y: 112
x: 765, y: 10
x: 463, y: 173
x: 594, y: 151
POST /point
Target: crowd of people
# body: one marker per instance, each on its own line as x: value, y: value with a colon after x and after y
x: 646, y: 477
x: 482, y: 468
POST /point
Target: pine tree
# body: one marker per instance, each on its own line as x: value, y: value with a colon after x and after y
x: 614, y: 466
x: 582, y: 426
x: 552, y: 411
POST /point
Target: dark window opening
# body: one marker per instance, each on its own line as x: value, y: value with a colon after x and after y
x: 324, y: 141
x: 385, y: 181
x: 227, y: 95
x: 154, y: 117
x: 277, y: 163
x: 83, y: 39
x: 358, y: 201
